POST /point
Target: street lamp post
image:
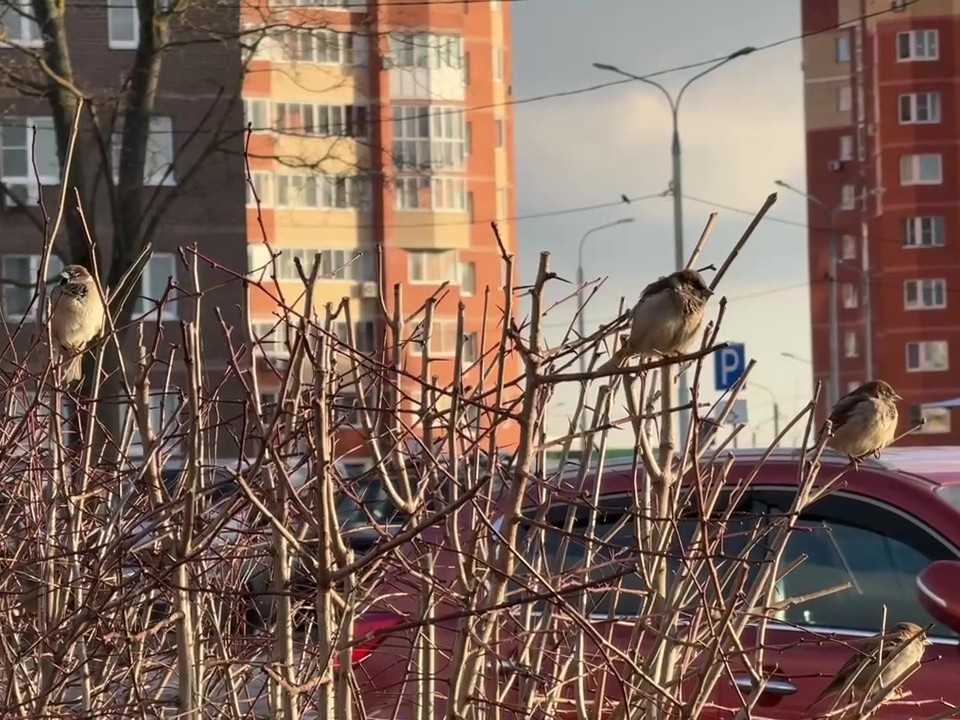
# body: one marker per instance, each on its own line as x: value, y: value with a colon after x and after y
x: 581, y: 321
x: 776, y: 405
x: 676, y: 188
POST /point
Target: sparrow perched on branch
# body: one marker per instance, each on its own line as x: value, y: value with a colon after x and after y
x: 864, y: 420
x: 903, y: 647
x: 76, y: 319
x: 666, y: 318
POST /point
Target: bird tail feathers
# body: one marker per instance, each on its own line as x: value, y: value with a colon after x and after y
x: 72, y: 368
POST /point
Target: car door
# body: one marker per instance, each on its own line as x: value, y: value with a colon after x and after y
x: 879, y: 550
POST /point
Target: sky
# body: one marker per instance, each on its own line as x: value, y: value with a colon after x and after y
x: 741, y: 128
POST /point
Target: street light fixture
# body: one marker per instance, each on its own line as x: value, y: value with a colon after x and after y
x: 581, y: 321
x: 676, y: 187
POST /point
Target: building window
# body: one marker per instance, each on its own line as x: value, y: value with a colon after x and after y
x: 411, y: 193
x: 471, y: 347
x: 846, y: 147
x: 263, y: 183
x: 433, y: 266
x: 848, y: 197
x: 851, y: 297
x: 271, y: 337
x: 158, y: 161
x: 934, y: 420
x: 364, y: 335
x: 928, y: 356
x: 443, y: 337
x: 324, y: 47
x: 928, y: 294
x: 335, y: 264
x: 468, y: 278
x: 22, y: 270
x: 850, y: 348
x: 917, y: 45
x: 428, y: 138
x: 919, y: 108
x: 257, y: 113
x: 19, y: 154
x: 17, y: 24
x: 500, y: 132
x: 843, y: 49
x: 926, y: 231
x: 924, y: 169
x: 844, y: 99
x: 849, y: 246
x: 448, y: 193
x: 346, y: 408
x: 161, y: 269
x: 321, y: 120
x: 123, y: 24
x: 498, y: 63
x: 426, y: 50
x: 324, y: 192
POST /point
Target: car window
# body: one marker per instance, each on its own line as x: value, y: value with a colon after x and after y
x: 613, y: 583
x: 877, y: 551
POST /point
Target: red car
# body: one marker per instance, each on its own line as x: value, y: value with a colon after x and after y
x: 891, y: 529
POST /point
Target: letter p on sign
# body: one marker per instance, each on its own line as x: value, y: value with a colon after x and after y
x: 728, y: 365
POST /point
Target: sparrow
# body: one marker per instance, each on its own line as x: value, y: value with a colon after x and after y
x: 666, y: 318
x: 903, y: 647
x: 76, y: 319
x: 864, y: 421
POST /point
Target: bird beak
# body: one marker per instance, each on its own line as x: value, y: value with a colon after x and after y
x: 64, y: 278
x: 897, y: 397
x: 927, y: 641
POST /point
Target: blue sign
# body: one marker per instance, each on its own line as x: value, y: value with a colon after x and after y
x: 729, y: 364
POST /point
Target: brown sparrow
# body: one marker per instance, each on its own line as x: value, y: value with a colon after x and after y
x: 666, y: 318
x: 864, y: 420
x: 903, y: 647
x: 77, y: 318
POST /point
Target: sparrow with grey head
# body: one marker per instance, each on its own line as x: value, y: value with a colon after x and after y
x: 902, y: 649
x: 864, y: 421
x: 666, y: 318
x: 76, y: 319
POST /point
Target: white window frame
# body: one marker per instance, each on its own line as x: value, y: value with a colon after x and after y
x: 911, y: 166
x: 430, y: 138
x: 53, y: 271
x: 258, y: 112
x: 846, y: 147
x: 910, y: 106
x: 500, y: 133
x: 364, y: 335
x: 916, y: 53
x: 340, y: 264
x: 322, y: 192
x: 848, y: 197
x: 28, y: 31
x: 444, y: 268
x: 914, y: 229
x: 842, y: 46
x: 351, y: 417
x: 45, y: 129
x: 498, y: 63
x: 936, y: 420
x: 159, y: 143
x: 467, y: 277
x: 320, y: 120
x: 270, y: 337
x: 844, y: 98
x: 263, y: 182
x: 350, y: 48
x: 850, y: 295
x: 848, y: 246
x: 923, y: 362
x: 922, y: 289
x: 150, y: 295
x: 851, y: 345
x: 471, y: 341
x: 443, y: 338
x: 114, y: 9
x: 433, y: 51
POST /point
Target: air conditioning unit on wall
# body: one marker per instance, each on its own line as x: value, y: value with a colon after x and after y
x: 369, y: 290
x: 835, y: 165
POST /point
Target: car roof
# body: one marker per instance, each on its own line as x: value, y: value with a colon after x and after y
x: 939, y: 465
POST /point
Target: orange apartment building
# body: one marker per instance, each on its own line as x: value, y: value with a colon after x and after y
x: 382, y: 125
x: 883, y: 165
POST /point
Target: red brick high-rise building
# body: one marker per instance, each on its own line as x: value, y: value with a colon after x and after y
x: 883, y: 172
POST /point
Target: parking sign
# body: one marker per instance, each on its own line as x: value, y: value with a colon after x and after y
x: 728, y: 365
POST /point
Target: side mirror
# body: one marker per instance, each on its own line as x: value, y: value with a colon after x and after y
x: 938, y: 588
